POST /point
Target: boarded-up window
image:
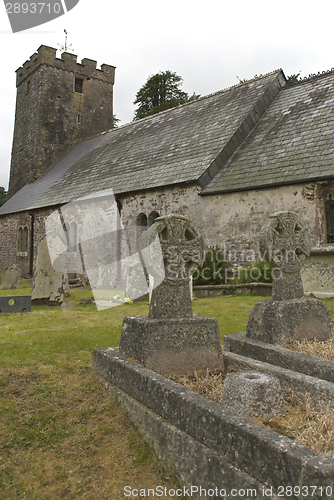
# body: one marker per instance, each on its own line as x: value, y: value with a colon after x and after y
x: 329, y: 209
x: 78, y: 85
x: 25, y: 239
x: 22, y: 239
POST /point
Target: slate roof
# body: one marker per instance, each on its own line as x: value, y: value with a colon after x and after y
x: 293, y: 141
x: 176, y: 146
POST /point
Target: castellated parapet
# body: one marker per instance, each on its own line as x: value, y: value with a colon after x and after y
x: 68, y: 62
x: 59, y: 103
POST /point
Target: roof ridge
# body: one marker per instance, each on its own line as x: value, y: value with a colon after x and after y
x: 256, y: 77
x: 313, y: 76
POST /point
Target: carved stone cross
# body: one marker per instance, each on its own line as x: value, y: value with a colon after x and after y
x: 181, y: 250
x: 285, y: 243
x: 171, y: 339
x: 288, y: 315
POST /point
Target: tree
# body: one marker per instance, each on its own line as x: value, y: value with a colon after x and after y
x: 293, y: 78
x: 161, y: 91
x: 3, y: 196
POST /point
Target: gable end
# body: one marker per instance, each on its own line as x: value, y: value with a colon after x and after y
x: 244, y: 130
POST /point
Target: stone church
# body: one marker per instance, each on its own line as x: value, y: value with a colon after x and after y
x: 227, y: 161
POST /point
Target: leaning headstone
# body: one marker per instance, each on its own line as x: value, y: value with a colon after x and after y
x: 50, y: 285
x: 11, y: 277
x: 288, y: 315
x: 253, y: 394
x: 171, y: 339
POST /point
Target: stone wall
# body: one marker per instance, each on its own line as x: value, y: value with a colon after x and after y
x: 231, y: 221
x: 9, y: 225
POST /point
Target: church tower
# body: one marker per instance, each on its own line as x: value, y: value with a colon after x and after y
x: 59, y: 103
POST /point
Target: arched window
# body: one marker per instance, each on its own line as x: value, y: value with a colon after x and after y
x: 22, y: 240
x: 142, y: 222
x: 151, y: 218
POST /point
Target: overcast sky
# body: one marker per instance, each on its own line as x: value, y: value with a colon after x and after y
x: 208, y: 43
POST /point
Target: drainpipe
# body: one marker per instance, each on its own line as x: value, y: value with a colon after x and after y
x: 31, y: 259
x: 119, y: 238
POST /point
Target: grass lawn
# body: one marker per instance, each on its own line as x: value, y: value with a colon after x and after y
x: 61, y: 435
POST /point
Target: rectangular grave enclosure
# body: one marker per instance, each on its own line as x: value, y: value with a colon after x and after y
x: 231, y: 451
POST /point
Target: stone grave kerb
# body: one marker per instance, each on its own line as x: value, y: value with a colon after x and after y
x: 171, y: 339
x: 288, y: 315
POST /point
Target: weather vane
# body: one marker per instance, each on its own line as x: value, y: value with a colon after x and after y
x: 65, y: 47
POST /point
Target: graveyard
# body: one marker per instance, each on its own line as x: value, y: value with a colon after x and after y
x: 231, y: 392
x: 221, y: 444
x: 46, y: 379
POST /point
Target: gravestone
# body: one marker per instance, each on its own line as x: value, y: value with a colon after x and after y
x: 50, y: 285
x: 253, y: 394
x: 67, y: 306
x: 288, y: 315
x: 11, y: 277
x: 171, y: 339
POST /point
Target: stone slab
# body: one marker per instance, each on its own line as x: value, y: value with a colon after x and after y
x: 253, y: 449
x: 11, y: 278
x: 49, y: 285
x: 21, y: 303
x: 67, y: 306
x: 313, y: 366
x: 298, y: 383
x: 172, y: 345
x: 278, y: 322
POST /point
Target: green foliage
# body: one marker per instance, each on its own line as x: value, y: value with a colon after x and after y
x: 3, y: 196
x: 293, y: 78
x: 160, y: 92
x: 115, y: 121
x: 259, y: 272
x: 213, y: 270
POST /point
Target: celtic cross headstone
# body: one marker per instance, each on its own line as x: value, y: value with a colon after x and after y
x: 171, y: 339
x: 285, y: 243
x: 182, y: 252
x: 288, y: 315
